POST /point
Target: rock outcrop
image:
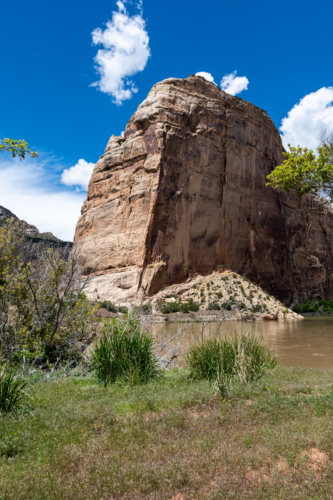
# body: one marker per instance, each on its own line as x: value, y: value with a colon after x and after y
x: 183, y: 194
x: 32, y: 233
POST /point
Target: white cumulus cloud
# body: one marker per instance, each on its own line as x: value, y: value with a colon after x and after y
x: 206, y: 75
x: 78, y: 175
x: 125, y: 52
x: 32, y: 192
x: 233, y: 84
x: 308, y: 119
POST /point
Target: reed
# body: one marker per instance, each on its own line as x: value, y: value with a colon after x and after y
x: 13, y: 397
x: 241, y: 355
x: 124, y: 353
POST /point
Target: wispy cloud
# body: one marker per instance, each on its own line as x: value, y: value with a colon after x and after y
x: 78, y: 175
x: 31, y: 189
x: 308, y: 118
x: 125, y: 52
x: 233, y: 84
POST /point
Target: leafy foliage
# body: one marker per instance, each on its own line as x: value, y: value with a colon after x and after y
x: 17, y: 147
x: 304, y: 172
x: 226, y: 306
x: 44, y: 314
x: 184, y: 307
x: 242, y: 356
x: 109, y: 306
x: 124, y: 353
x: 322, y: 306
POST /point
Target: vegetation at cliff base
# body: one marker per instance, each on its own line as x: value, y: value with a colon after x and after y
x: 304, y: 172
x: 319, y: 307
x: 183, y: 307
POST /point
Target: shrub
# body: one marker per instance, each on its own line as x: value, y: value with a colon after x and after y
x: 13, y: 397
x: 171, y: 307
x: 227, y: 306
x: 189, y: 306
x: 145, y: 309
x: 241, y: 305
x: 45, y: 316
x: 213, y: 306
x: 124, y: 353
x: 109, y: 306
x: 123, y: 309
x: 308, y: 307
x: 243, y: 356
x: 184, y: 307
x: 257, y: 308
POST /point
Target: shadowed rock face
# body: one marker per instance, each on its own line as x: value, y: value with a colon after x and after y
x: 184, y: 193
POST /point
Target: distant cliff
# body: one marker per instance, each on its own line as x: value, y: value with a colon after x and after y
x: 183, y: 193
x: 31, y: 232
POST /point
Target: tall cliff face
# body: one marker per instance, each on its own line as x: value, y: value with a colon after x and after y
x: 184, y: 193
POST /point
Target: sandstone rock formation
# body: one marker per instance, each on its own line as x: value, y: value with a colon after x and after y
x: 183, y: 193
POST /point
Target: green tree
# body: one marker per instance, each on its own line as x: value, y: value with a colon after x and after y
x: 17, y: 147
x: 304, y: 172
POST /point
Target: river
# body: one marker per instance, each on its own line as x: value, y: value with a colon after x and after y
x: 307, y: 343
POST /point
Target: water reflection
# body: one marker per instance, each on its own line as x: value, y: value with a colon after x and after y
x: 307, y: 343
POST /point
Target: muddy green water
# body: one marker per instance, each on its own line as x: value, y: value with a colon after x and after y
x: 307, y: 342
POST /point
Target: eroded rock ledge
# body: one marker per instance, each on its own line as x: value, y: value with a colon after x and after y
x: 183, y: 193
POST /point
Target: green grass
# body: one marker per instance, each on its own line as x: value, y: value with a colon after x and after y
x: 13, y: 397
x: 172, y: 437
x: 124, y: 353
x: 242, y: 355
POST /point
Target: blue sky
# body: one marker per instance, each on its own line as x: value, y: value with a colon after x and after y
x: 47, y: 67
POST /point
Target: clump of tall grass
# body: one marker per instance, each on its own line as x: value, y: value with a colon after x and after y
x: 241, y: 355
x: 124, y: 353
x: 13, y: 397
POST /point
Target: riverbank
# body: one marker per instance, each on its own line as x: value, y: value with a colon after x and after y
x: 172, y: 439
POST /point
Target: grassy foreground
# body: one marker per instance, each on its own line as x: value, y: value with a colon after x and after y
x: 172, y: 439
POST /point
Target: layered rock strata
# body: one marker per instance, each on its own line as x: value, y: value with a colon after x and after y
x: 183, y: 193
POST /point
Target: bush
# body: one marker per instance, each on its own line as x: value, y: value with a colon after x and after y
x: 213, y: 306
x: 13, y: 397
x: 257, y: 308
x: 45, y: 316
x: 242, y: 356
x: 145, y: 309
x: 226, y: 306
x: 189, y: 306
x: 309, y: 307
x: 109, y: 306
x: 185, y: 307
x: 124, y: 353
x: 171, y: 307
